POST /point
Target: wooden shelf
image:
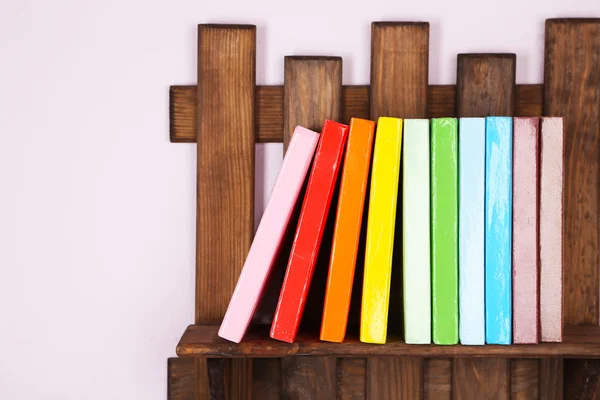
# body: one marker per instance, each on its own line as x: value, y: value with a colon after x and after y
x: 202, y: 341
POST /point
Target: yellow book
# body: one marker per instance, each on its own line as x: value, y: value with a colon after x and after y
x: 380, y: 230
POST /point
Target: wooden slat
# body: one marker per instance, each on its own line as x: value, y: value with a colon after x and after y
x: 438, y: 379
x: 394, y: 378
x: 486, y: 378
x: 551, y: 379
x: 572, y: 90
x: 351, y: 378
x: 308, y: 378
x: 219, y: 371
x: 202, y: 341
x: 182, y: 379
x: 312, y: 92
x: 399, y: 78
x: 581, y: 379
x: 266, y: 379
x: 441, y: 102
x: 225, y: 209
x: 484, y: 86
x: 524, y: 379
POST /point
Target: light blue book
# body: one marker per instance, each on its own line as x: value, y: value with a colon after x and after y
x: 471, y: 228
x: 498, y: 230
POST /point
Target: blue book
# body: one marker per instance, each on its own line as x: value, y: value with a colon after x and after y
x: 498, y: 230
x: 471, y: 258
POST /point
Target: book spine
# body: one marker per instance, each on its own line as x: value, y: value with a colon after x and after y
x: 498, y: 230
x: 525, y: 231
x: 415, y: 232
x: 311, y: 224
x: 269, y: 234
x: 444, y: 229
x: 380, y: 230
x: 551, y: 229
x: 348, y: 223
x: 471, y: 230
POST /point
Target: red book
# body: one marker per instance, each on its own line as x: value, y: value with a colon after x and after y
x: 313, y: 216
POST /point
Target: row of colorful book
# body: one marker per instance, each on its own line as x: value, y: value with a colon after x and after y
x: 481, y: 230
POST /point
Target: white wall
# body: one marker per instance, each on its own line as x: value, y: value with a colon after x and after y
x: 97, y: 208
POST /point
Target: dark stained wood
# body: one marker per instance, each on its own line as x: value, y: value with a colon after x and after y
x: 524, y: 379
x: 399, y: 69
x: 225, y: 181
x: 399, y: 77
x: 312, y: 92
x: 572, y: 91
x: 394, y: 378
x: 441, y: 102
x: 351, y: 378
x: 308, y: 378
x: 551, y: 379
x: 485, y: 378
x: 581, y: 379
x: 485, y: 85
x: 182, y: 379
x: 438, y: 379
x: 266, y: 378
x: 218, y: 378
x: 202, y: 340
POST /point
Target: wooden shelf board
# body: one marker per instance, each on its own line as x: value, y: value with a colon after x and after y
x: 202, y: 341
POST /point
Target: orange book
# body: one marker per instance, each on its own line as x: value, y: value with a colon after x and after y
x: 346, y: 236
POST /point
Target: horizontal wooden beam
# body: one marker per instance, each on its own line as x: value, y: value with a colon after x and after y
x: 441, y: 102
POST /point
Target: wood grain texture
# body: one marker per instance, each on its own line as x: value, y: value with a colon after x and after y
x: 572, y: 90
x: 312, y: 92
x: 581, y: 379
x: 225, y: 180
x: 437, y: 379
x: 182, y: 379
x: 219, y: 370
x: 399, y: 69
x: 485, y: 85
x: 308, y: 378
x: 524, y: 379
x: 551, y: 379
x: 441, y: 102
x: 394, y: 378
x: 266, y: 378
x: 486, y: 378
x: 351, y: 378
x: 202, y: 341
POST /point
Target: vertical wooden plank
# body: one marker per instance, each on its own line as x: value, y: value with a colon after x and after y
x: 219, y: 370
x: 524, y: 379
x: 308, y: 378
x: 551, y: 379
x: 225, y: 193
x: 351, y: 378
x: 266, y: 378
x: 482, y: 378
x: 484, y: 86
x: 394, y: 378
x: 399, y: 78
x: 312, y: 93
x: 438, y: 379
x: 572, y: 91
x: 181, y: 379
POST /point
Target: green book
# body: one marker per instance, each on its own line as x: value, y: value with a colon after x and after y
x: 444, y: 230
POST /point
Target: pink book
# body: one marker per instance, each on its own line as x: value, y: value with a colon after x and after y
x: 551, y: 229
x: 269, y: 234
x: 525, y: 231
